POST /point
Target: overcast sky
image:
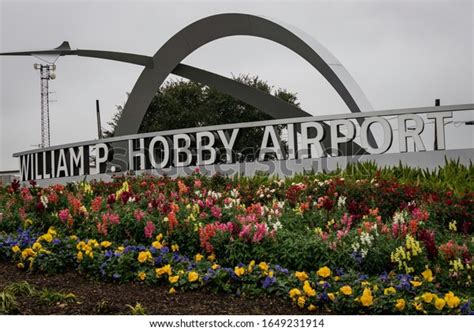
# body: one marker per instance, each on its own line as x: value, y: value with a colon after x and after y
x: 402, y: 53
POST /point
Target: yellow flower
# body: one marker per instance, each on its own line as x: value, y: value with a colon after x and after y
x: 263, y: 266
x: 16, y: 249
x: 80, y: 256
x: 52, y: 231
x: 28, y: 222
x: 251, y: 265
x: 212, y: 258
x: 175, y: 247
x: 48, y: 237
x: 239, y: 271
x: 193, y: 276
x: 331, y: 296
x: 427, y: 275
x: 452, y: 226
x: 427, y: 297
x: 308, y: 290
x: 144, y: 256
x: 389, y: 290
x: 418, y: 306
x: 73, y: 237
x: 301, y: 275
x: 400, y: 305
x: 93, y: 242
x: 173, y: 279
x: 337, y: 278
x: 27, y: 252
x: 20, y: 265
x: 159, y: 237
x: 451, y: 300
x: 105, y: 244
x: 172, y: 291
x: 439, y: 303
x: 157, y: 244
x: 198, y: 257
x: 301, y: 302
x: 346, y: 290
x: 294, y: 292
x: 416, y: 283
x: 37, y: 246
x: 312, y: 307
x: 324, y: 272
x: 367, y: 299
x: 141, y: 275
x: 163, y: 270
x: 215, y: 266
x: 90, y: 254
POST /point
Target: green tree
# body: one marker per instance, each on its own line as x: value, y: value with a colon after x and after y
x: 184, y: 104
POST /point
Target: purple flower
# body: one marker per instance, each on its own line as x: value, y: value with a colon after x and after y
x: 269, y: 281
x: 131, y: 249
x: 404, y: 282
x: 357, y: 256
x: 339, y: 272
x: 466, y: 308
x: 323, y: 296
x: 363, y: 277
x: 159, y: 260
x: 280, y: 269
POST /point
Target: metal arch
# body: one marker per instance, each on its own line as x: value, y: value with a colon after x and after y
x: 211, y: 28
x: 167, y: 60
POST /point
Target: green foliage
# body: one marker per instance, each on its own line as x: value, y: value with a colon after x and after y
x: 8, y: 303
x: 138, y: 309
x: 51, y: 297
x: 22, y: 288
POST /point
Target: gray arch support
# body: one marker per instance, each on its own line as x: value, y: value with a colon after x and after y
x: 167, y: 60
x: 211, y: 28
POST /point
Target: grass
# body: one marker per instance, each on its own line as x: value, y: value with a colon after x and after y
x: 138, y: 309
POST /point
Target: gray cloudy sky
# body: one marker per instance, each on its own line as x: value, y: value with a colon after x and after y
x: 402, y: 53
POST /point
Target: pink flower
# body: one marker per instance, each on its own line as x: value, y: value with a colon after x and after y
x: 420, y: 215
x: 111, y: 218
x: 149, y: 229
x: 260, y: 232
x: 26, y: 195
x: 64, y: 215
x: 216, y: 212
x: 139, y: 214
x: 244, y: 233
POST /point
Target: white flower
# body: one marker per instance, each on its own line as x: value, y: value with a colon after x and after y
x: 399, y: 217
x: 341, y: 202
x: 44, y: 201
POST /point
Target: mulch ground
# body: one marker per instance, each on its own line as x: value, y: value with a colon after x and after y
x: 93, y: 297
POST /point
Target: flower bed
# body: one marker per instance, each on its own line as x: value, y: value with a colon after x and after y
x: 333, y: 243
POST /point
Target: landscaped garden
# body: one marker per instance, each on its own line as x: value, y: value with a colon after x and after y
x: 359, y: 241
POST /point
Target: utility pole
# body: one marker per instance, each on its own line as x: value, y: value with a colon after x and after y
x: 46, y: 73
x: 99, y: 125
x: 437, y: 104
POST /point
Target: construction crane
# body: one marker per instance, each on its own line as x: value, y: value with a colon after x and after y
x: 46, y: 73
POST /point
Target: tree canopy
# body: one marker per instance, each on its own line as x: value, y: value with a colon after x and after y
x: 184, y: 104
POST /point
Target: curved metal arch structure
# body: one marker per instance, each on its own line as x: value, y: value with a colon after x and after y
x: 167, y: 60
x: 211, y: 28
